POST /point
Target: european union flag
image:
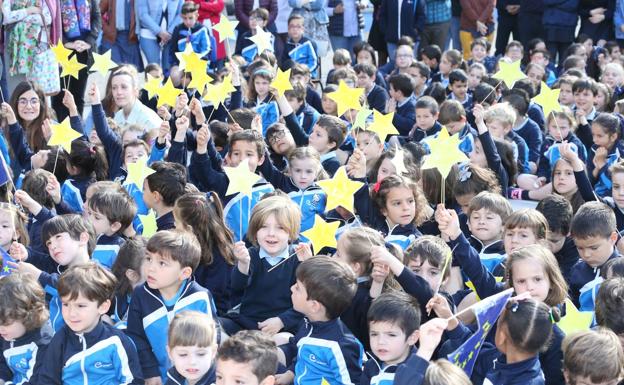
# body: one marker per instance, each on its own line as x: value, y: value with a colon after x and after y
x: 6, y: 258
x: 487, y: 312
x: 305, y: 54
x: 269, y: 112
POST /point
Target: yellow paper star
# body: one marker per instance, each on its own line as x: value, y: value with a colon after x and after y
x: 103, y: 63
x: 190, y: 61
x: 282, y: 82
x: 509, y: 73
x: 149, y: 224
x: 72, y: 67
x: 322, y: 234
x: 241, y: 179
x: 324, y: 381
x: 382, y: 125
x: 137, y: 172
x: 470, y: 286
x: 262, y: 40
x: 167, y: 94
x: 548, y: 99
x: 152, y: 85
x: 217, y: 93
x: 398, y: 161
x: 226, y: 28
x: 199, y: 81
x: 340, y: 190
x: 575, y: 320
x: 63, y: 135
x: 346, y: 98
x: 445, y: 153
x: 61, y: 53
x: 360, y: 118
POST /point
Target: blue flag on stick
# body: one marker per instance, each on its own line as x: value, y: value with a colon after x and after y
x: 487, y: 312
x: 4, y: 171
x: 6, y: 258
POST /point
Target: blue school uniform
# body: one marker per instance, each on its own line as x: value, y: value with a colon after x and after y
x: 583, y: 279
x: 466, y: 103
x: 216, y: 278
x: 198, y: 36
x: 102, y: 356
x: 405, y: 115
x: 377, y: 98
x: 106, y: 249
x: 412, y: 371
x: 330, y: 163
x: 522, y: 151
x: 165, y: 222
x: 175, y: 378
x: 49, y: 282
x: 23, y: 356
x: 248, y: 49
x: 119, y: 310
x: 354, y: 317
x: 492, y: 255
x: 150, y: 314
x: 74, y: 192
x: 466, y: 139
x: 418, y: 134
x: 307, y: 117
x: 302, y: 52
x: 602, y: 183
x: 532, y: 134
x: 376, y: 373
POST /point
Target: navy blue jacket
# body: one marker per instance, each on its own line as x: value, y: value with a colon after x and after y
x: 494, y: 160
x: 113, y: 144
x: 544, y: 168
x: 412, y: 371
x: 307, y: 117
x: 313, y: 99
x: 354, y: 317
x: 175, y: 378
x: 582, y: 273
x: 103, y: 356
x: 567, y: 257
x: 419, y: 134
x: 532, y: 134
x: 216, y: 278
x: 106, y: 249
x: 377, y: 98
x: 324, y: 350
x: 165, y: 222
x: 536, y: 114
x: 375, y: 373
x: 412, y: 17
x: 22, y: 357
x: 560, y: 13
x: 405, y: 116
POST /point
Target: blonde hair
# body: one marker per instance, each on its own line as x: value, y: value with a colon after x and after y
x: 442, y: 372
x: 19, y: 220
x: 360, y: 240
x: 565, y: 113
x: 531, y: 219
x: 502, y: 113
x: 130, y: 70
x: 594, y: 354
x: 308, y: 152
x: 286, y: 213
x: 192, y: 328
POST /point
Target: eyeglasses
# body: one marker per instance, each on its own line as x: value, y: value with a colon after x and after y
x: 23, y: 102
x: 277, y: 136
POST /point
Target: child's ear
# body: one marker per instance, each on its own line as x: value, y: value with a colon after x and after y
x: 186, y: 272
x: 613, y: 238
x: 104, y: 307
x: 115, y: 227
x: 132, y: 275
x: 566, y: 376
x: 269, y: 380
x: 413, y: 338
x: 84, y: 238
x: 261, y: 160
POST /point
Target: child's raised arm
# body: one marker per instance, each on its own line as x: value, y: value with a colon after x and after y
x: 21, y: 149
x: 112, y: 142
x: 201, y: 167
x: 582, y: 181
x: 298, y: 134
x: 489, y: 148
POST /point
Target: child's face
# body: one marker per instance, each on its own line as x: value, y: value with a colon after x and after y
x: 455, y: 127
x: 192, y: 362
x: 389, y: 342
x: 301, y: 79
x: 28, y: 106
x: 431, y: 274
x: 295, y: 103
x: 611, y: 77
x: 459, y: 89
x: 400, y: 206
x: 514, y: 53
x: 320, y: 140
x: 272, y: 237
x: 369, y: 144
x: 518, y: 237
x: 535, y: 75
x: 566, y: 97
x: 130, y: 135
x: 555, y: 241
x: 100, y: 223
x: 431, y: 63
x: 256, y: 22
x: 601, y: 138
x: 329, y: 106
x: 163, y: 273
x: 82, y: 314
x: 564, y: 181
x: 299, y: 297
x: 63, y: 249
x: 464, y: 201
x: 231, y: 372
x: 12, y: 331
x: 617, y: 190
x: 418, y: 80
x: 425, y: 119
x: 478, y: 52
x: 445, y: 65
x: 365, y: 81
x: 474, y: 77
x: 342, y: 256
x: 295, y: 29
x: 133, y: 154
x: 124, y: 91
x: 558, y: 128
x: 386, y: 168
x: 189, y: 19
x: 584, y: 99
x: 282, y: 142
x: 538, y: 58
x: 595, y: 250
x: 404, y: 57
x: 7, y: 230
x: 485, y: 225
x: 477, y: 156
x: 262, y: 86
x: 364, y: 57
x: 241, y: 150
x: 497, y: 129
x: 303, y: 172
x: 529, y: 276
x: 156, y: 73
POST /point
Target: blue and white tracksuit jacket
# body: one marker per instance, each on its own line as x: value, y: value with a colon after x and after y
x: 106, y: 249
x: 49, y: 282
x: 102, y: 356
x: 149, y: 318
x: 324, y: 350
x: 380, y: 374
x: 23, y: 357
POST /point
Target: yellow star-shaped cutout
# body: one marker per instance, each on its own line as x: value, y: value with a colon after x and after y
x: 322, y: 234
x: 262, y: 40
x: 103, y: 63
x: 199, y: 81
x: 382, y: 125
x: 470, y: 286
x: 72, y: 67
x: 282, y: 81
x: 575, y: 320
x: 137, y: 172
x: 217, y: 93
x: 509, y: 73
x: 241, y: 179
x: 149, y: 224
x: 152, y: 85
x: 340, y: 190
x: 548, y: 99
x: 360, y: 118
x: 398, y: 161
x: 167, y: 94
x: 324, y: 381
x: 61, y: 53
x: 226, y: 28
x: 63, y: 135
x: 346, y: 98
x: 190, y: 61
x: 445, y: 153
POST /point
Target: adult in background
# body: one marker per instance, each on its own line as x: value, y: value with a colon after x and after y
x: 315, y: 21
x: 345, y: 23
x: 508, y: 11
x: 597, y: 20
x: 437, y: 24
x: 157, y: 20
x: 120, y: 27
x: 399, y: 18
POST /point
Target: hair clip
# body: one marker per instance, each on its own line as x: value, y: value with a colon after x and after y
x: 513, y: 306
x: 262, y: 71
x: 464, y: 172
x: 376, y: 187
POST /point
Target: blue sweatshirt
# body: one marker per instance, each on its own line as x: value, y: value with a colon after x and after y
x: 324, y: 350
x: 49, y: 282
x: 23, y: 357
x: 602, y: 183
x: 149, y: 317
x: 106, y: 249
x: 583, y: 277
x: 216, y: 278
x: 377, y: 98
x: 531, y: 133
x: 307, y: 117
x: 102, y: 356
x: 405, y: 115
x: 175, y: 378
x: 381, y: 374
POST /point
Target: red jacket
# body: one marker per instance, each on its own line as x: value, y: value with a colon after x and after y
x: 211, y: 10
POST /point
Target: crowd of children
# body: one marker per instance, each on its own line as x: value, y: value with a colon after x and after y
x: 229, y: 289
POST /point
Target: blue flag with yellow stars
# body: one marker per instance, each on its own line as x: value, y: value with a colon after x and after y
x: 487, y: 312
x: 6, y: 258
